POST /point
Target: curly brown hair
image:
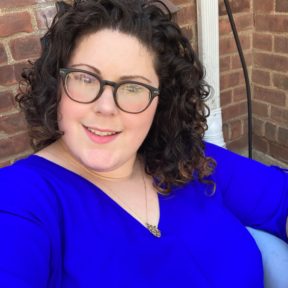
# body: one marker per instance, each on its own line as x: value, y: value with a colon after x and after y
x: 173, y: 151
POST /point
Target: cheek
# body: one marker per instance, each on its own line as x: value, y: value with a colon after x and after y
x: 141, y: 123
x: 68, y: 112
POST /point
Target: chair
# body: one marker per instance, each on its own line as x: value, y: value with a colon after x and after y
x: 275, y: 258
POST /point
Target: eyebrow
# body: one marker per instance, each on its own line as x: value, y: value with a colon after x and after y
x: 124, y: 77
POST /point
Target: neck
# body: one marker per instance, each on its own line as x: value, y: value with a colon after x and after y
x: 125, y: 172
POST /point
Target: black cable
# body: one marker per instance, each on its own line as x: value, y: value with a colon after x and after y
x: 247, y: 81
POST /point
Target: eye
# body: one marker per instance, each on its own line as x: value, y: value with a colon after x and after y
x: 84, y: 78
x: 133, y: 88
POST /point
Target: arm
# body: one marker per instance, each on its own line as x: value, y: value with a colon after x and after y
x: 254, y: 193
x: 24, y: 250
x: 25, y: 245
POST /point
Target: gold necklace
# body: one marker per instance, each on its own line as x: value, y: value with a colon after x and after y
x: 153, y: 229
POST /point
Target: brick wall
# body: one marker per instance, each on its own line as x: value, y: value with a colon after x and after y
x: 186, y: 17
x: 270, y: 79
x: 232, y: 85
x: 21, y: 24
x: 23, y: 21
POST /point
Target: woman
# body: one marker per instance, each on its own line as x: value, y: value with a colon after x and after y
x: 121, y: 190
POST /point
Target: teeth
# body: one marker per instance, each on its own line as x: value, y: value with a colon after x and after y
x: 100, y: 133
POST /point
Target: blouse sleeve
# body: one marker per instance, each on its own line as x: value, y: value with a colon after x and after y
x: 255, y: 193
x: 25, y: 244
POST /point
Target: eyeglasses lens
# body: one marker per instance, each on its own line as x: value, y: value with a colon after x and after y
x: 83, y: 87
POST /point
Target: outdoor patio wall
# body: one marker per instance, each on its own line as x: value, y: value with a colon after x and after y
x: 270, y: 80
x: 22, y: 22
x: 232, y: 85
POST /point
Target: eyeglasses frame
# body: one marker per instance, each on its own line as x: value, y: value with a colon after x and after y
x: 154, y: 92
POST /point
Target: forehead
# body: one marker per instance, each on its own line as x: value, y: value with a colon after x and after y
x: 111, y: 50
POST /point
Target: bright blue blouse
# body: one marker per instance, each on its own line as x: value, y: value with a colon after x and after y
x: 60, y: 230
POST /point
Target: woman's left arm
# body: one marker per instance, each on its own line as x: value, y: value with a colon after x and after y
x: 255, y: 193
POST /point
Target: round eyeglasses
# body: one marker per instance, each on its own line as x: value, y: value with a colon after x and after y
x: 86, y: 87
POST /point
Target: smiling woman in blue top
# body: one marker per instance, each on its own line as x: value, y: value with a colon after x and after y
x: 122, y: 191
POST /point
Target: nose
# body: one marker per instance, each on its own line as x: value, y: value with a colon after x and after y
x: 105, y: 104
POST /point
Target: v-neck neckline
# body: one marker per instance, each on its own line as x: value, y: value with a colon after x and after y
x: 105, y: 195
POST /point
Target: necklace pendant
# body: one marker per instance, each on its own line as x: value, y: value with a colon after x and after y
x: 153, y: 230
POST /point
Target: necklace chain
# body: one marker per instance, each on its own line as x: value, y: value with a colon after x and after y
x: 153, y: 229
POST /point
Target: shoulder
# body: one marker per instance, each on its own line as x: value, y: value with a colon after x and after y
x: 239, y: 173
x: 26, y: 190
x: 229, y: 161
x: 23, y: 175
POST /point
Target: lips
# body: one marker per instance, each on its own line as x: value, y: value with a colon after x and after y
x: 101, y: 133
x: 101, y: 136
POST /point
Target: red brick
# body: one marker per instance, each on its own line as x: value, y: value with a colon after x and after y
x: 280, y: 81
x: 244, y: 22
x: 3, y: 55
x: 245, y: 126
x: 227, y: 44
x: 6, y: 102
x: 262, y: 41
x: 225, y: 131
x: 226, y: 98
x: 234, y: 111
x: 45, y: 16
x: 258, y: 127
x: 238, y: 145
x: 280, y: 115
x: 281, y: 44
x: 279, y: 152
x: 281, y: 6
x: 25, y: 48
x: 16, y: 3
x: 224, y: 26
x: 263, y: 6
x: 231, y: 80
x: 7, y: 75
x: 180, y: 2
x: 260, y: 144
x: 21, y: 143
x: 270, y: 61
x: 225, y: 63
x: 239, y: 94
x: 237, y: 6
x: 186, y: 15
x: 261, y: 77
x: 271, y: 96
x: 4, y: 163
x: 15, y: 23
x: 271, y: 23
x: 18, y: 68
x: 14, y: 145
x: 236, y: 129
x: 260, y: 109
x: 270, y: 131
x: 236, y: 62
x: 283, y: 136
x: 6, y: 148
x: 12, y: 124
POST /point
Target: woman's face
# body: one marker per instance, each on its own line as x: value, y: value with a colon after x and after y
x: 113, y: 56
